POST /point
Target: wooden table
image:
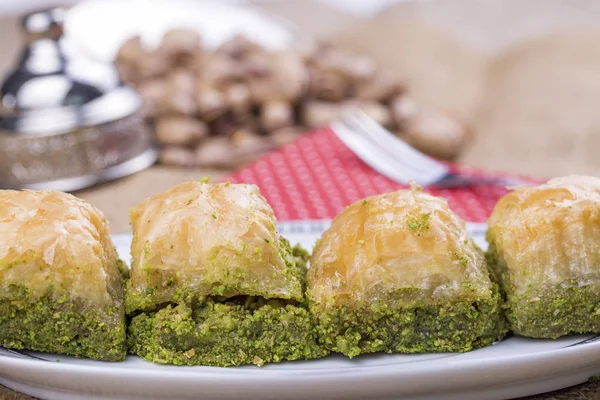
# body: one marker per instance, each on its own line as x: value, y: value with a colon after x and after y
x: 531, y: 91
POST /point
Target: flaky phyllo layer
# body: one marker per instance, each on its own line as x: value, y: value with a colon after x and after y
x: 200, y: 239
x: 61, y: 289
x: 548, y: 235
x: 55, y: 242
x: 406, y: 248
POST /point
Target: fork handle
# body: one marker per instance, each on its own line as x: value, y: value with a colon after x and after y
x: 451, y: 180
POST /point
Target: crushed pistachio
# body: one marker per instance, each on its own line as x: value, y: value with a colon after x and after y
x: 418, y: 224
x: 205, y: 179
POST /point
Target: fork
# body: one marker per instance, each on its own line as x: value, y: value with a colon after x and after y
x: 395, y: 159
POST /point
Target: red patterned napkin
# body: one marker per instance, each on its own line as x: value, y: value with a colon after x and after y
x: 317, y: 176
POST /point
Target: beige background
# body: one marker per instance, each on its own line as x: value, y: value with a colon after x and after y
x: 526, y: 74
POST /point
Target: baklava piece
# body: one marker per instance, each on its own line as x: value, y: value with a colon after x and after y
x: 212, y: 282
x: 398, y: 273
x: 544, y: 244
x: 61, y: 289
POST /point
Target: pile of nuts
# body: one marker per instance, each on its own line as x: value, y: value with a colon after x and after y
x: 223, y: 107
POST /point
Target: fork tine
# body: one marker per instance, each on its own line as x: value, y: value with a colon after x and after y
x: 382, y: 162
x: 366, y: 152
x: 397, y: 148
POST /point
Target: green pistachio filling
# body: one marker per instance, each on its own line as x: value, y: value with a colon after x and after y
x: 246, y: 330
x: 61, y: 324
x: 223, y: 331
x: 551, y: 311
x: 454, y: 327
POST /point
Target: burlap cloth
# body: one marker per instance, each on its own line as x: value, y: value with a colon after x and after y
x: 525, y: 73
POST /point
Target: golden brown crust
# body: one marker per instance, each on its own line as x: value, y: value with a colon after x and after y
x: 53, y: 238
x: 549, y: 234
x: 209, y: 239
x: 392, y: 242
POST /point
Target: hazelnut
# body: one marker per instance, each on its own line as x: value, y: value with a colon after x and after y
x: 285, y: 135
x: 176, y: 103
x: 256, y: 65
x: 285, y: 81
x: 237, y: 47
x: 347, y: 65
x: 329, y: 86
x: 377, y: 111
x: 316, y: 114
x: 379, y: 88
x: 154, y: 64
x: 173, y: 155
x: 436, y: 133
x: 248, y: 144
x: 218, y: 71
x: 180, y: 131
x: 403, y: 109
x: 151, y: 92
x: 215, y: 152
x: 238, y: 96
x: 211, y: 103
x: 130, y: 53
x: 275, y: 115
x: 182, y: 80
x: 180, y: 41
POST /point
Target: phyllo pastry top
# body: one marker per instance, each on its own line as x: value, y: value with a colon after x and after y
x: 201, y: 239
x: 406, y: 248
x: 54, y: 243
x: 548, y: 234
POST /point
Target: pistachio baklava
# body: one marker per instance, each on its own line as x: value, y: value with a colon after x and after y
x: 544, y: 248
x: 398, y: 272
x: 212, y: 282
x: 61, y: 284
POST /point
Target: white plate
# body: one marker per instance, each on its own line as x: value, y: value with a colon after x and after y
x: 99, y: 27
x: 511, y: 368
